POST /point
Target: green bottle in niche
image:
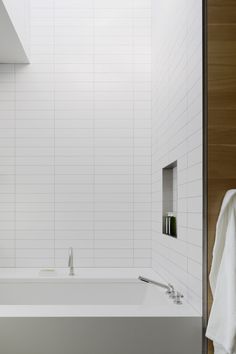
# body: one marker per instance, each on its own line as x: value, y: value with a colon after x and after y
x: 164, y: 225
x: 172, y: 224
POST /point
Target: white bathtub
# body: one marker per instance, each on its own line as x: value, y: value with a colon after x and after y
x: 97, y: 311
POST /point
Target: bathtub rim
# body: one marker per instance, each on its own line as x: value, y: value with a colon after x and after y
x: 83, y: 276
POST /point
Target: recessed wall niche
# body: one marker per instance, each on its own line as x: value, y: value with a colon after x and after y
x: 169, y: 200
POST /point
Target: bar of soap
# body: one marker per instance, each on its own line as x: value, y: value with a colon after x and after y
x: 47, y: 272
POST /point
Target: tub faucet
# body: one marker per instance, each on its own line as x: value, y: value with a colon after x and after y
x: 168, y: 287
x: 178, y: 298
x: 71, y: 261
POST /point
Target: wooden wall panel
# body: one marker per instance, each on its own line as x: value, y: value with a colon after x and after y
x: 221, y: 111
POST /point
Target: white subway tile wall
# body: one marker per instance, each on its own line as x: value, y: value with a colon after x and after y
x: 75, y: 147
x: 177, y: 135
x: 112, y: 95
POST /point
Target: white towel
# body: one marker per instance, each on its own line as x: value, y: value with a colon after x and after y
x: 222, y: 322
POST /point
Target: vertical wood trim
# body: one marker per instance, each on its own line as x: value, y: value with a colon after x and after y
x: 221, y: 112
x: 205, y: 178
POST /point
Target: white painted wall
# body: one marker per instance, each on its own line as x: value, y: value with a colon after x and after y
x: 177, y: 135
x: 75, y: 165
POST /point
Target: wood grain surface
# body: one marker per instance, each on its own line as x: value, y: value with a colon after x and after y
x: 221, y: 111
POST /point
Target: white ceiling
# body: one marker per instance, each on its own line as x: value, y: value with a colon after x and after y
x: 12, y: 49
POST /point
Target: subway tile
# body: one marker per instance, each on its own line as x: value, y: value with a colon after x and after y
x: 113, y: 253
x: 113, y: 262
x: 113, y: 244
x: 33, y: 235
x: 177, y: 135
x: 77, y: 136
x: 34, y: 253
x: 75, y: 243
x: 42, y: 262
x: 34, y: 244
x: 78, y: 254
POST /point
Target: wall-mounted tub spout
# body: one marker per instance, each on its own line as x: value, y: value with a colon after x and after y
x: 169, y: 287
x: 176, y: 296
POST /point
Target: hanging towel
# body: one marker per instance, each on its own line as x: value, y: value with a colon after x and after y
x: 222, y: 321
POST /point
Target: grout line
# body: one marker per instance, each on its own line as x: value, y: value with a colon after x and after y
x: 54, y: 143
x: 14, y: 68
x: 93, y: 118
x: 151, y: 145
x: 133, y: 128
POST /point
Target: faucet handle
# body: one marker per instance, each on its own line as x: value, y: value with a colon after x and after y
x: 170, y: 289
x: 178, y: 298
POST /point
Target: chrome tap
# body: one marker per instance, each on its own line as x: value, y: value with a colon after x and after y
x: 178, y: 298
x: 71, y: 261
x: 150, y: 281
x: 170, y: 291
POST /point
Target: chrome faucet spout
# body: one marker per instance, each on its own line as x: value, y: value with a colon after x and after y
x: 161, y: 285
x: 71, y: 262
